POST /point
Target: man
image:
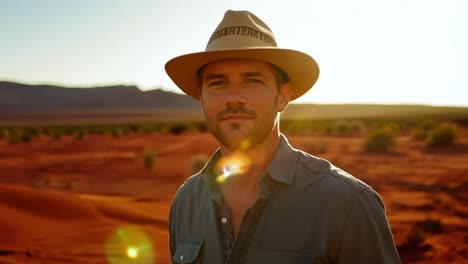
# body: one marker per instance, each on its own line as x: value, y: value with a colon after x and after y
x: 258, y: 200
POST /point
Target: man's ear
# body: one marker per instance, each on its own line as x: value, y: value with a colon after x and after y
x: 284, y: 95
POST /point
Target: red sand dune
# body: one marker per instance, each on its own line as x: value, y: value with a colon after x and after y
x: 103, y: 186
x: 58, y: 227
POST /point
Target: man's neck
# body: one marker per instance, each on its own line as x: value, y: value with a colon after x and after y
x: 259, y: 158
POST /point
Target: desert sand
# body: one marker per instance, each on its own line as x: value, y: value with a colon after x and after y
x: 93, y: 200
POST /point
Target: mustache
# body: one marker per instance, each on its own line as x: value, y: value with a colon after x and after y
x: 236, y: 110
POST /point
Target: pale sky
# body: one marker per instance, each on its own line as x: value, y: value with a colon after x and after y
x: 368, y: 51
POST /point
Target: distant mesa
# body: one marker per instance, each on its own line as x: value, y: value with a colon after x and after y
x: 24, y: 98
x: 22, y: 104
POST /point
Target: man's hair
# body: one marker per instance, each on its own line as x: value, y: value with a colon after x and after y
x: 281, y: 77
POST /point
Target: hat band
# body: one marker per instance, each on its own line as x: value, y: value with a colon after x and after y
x: 244, y: 31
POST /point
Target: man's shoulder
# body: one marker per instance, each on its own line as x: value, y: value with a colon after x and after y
x: 189, y: 188
x: 327, y: 173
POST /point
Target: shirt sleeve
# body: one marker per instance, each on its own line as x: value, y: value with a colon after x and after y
x: 172, y: 242
x: 366, y: 235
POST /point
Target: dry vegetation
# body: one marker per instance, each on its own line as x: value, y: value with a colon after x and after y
x: 65, y: 190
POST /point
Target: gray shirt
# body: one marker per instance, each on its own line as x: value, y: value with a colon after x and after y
x: 307, y: 211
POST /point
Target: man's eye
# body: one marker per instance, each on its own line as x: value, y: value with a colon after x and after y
x: 215, y: 83
x: 254, y: 81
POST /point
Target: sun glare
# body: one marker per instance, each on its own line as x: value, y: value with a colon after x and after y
x: 132, y: 252
x: 232, y: 165
x: 129, y: 243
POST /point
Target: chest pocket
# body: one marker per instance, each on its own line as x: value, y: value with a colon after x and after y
x: 190, y: 252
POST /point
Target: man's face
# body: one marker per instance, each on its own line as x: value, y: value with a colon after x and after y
x: 241, y: 100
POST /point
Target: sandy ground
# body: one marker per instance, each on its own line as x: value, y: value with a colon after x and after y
x: 93, y: 201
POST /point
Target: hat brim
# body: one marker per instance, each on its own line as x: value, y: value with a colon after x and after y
x: 302, y: 69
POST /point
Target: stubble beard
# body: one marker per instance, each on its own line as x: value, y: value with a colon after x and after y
x: 249, y: 138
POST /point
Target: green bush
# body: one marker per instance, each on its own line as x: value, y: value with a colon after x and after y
x: 149, y: 158
x: 418, y: 134
x: 380, y: 140
x: 442, y: 135
x: 56, y: 134
x: 25, y: 136
x: 422, y: 229
x: 427, y: 125
x: 115, y: 132
x: 348, y: 127
x: 421, y: 131
x: 415, y: 237
x: 178, y: 128
x: 13, y: 136
x: 431, y: 225
x: 79, y: 134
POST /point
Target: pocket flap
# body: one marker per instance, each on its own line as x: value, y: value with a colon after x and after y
x: 187, y: 252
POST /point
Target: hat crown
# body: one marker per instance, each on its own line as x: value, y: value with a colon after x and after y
x: 241, y: 30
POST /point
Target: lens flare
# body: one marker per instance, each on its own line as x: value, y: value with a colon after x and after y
x: 132, y: 252
x: 128, y: 244
x: 232, y: 165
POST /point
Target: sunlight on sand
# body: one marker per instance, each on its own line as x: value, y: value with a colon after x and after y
x: 129, y: 244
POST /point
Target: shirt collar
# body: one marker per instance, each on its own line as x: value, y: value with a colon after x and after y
x: 283, y: 165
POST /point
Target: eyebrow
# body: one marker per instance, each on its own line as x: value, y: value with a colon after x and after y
x: 211, y: 76
x: 252, y: 74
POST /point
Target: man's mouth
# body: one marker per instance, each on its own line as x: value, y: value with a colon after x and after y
x: 235, y: 117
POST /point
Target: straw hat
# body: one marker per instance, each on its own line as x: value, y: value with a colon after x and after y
x: 242, y: 35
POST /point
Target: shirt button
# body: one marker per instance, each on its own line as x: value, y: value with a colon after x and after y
x: 181, y: 257
x: 224, y: 220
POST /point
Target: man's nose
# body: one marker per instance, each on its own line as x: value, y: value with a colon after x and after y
x: 235, y: 95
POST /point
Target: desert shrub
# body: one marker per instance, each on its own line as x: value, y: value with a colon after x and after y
x: 26, y: 136
x: 178, y: 128
x: 125, y: 130
x: 418, y: 134
x: 45, y: 131
x: 133, y: 128
x: 431, y: 225
x: 421, y: 131
x: 427, y: 125
x: 198, y: 162
x: 421, y: 229
x: 115, y: 132
x: 95, y: 130
x: 149, y: 158
x: 294, y: 126
x: 200, y: 127
x: 13, y: 136
x: 29, y: 133
x: 416, y: 236
x: 348, y: 127
x: 56, y: 134
x: 327, y: 129
x: 380, y: 140
x: 147, y: 129
x: 394, y: 127
x: 442, y: 135
x: 79, y: 134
